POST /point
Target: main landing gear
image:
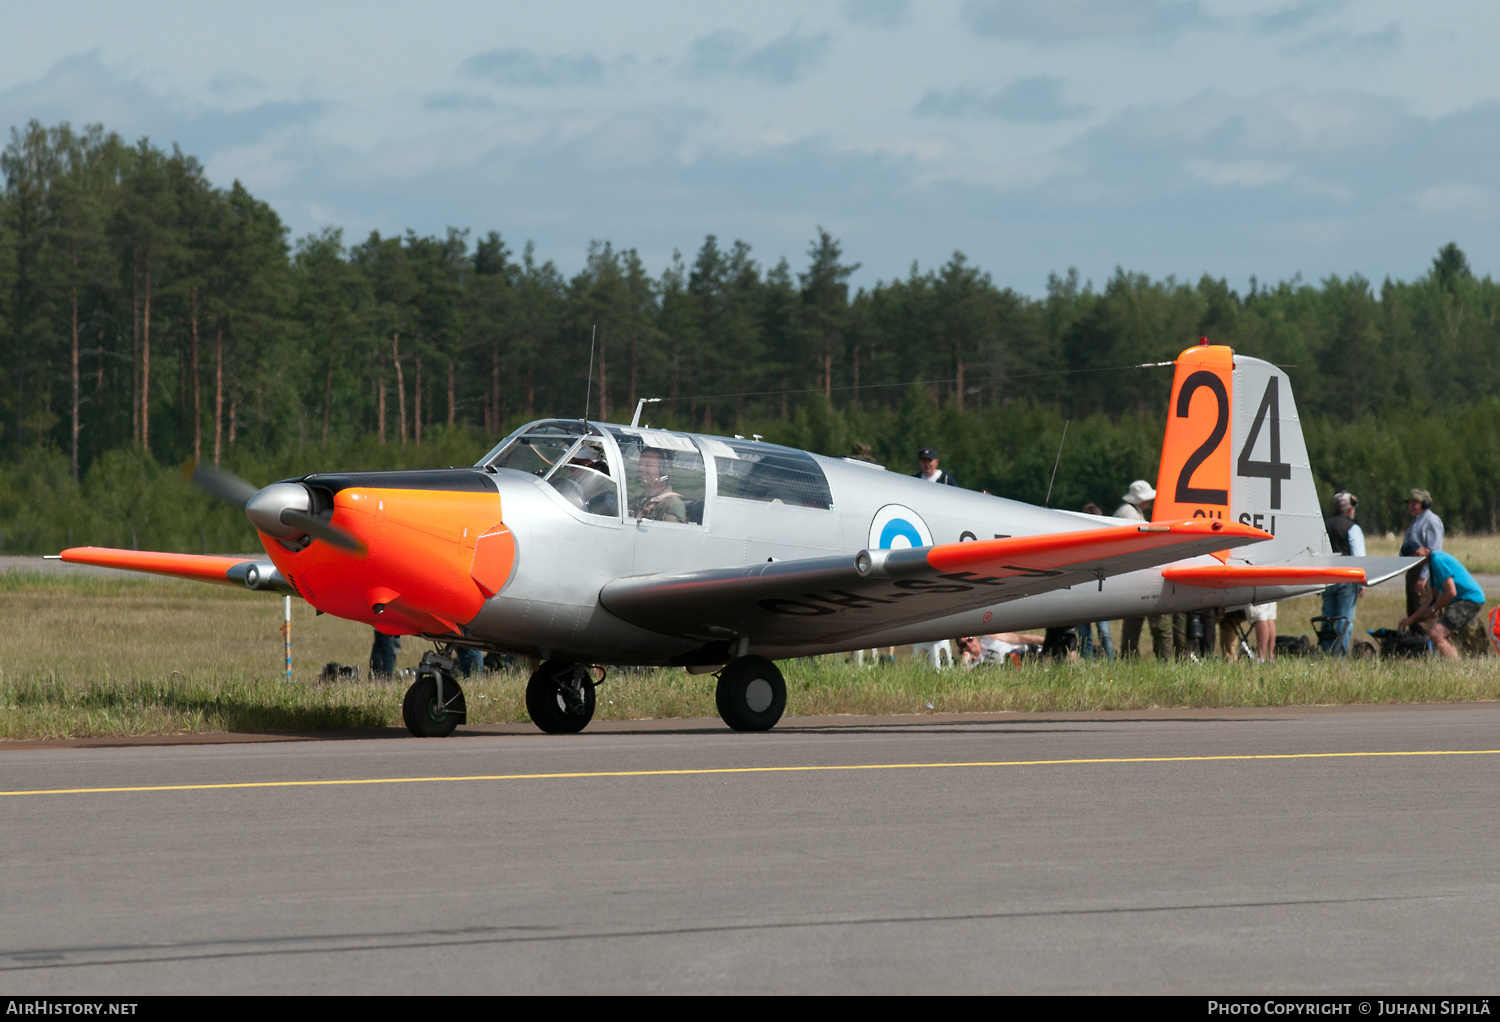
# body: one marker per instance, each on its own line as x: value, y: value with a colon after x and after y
x: 751, y: 694
x: 434, y: 705
x: 560, y: 697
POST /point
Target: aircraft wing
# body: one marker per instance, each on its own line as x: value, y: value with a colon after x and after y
x: 827, y: 599
x: 230, y: 571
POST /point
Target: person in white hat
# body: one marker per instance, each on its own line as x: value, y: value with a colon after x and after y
x: 1138, y: 500
x: 1137, y: 507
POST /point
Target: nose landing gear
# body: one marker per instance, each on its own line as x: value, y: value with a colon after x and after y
x: 560, y: 697
x: 434, y: 705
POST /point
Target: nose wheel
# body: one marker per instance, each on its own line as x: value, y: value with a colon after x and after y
x: 560, y: 697
x: 434, y: 705
x: 751, y: 694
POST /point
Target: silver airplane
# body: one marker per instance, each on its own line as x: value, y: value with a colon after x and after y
x: 582, y: 543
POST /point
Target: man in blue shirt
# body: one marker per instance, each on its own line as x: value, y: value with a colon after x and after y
x: 1455, y: 599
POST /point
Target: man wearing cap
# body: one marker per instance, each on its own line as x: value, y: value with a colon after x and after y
x: 927, y: 468
x: 1425, y: 530
x: 1137, y: 507
x: 1339, y: 600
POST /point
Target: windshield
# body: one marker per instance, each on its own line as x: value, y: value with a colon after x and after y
x: 576, y: 466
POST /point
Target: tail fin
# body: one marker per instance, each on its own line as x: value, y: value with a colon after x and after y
x: 1234, y: 450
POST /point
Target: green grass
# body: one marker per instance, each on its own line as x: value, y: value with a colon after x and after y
x: 87, y: 656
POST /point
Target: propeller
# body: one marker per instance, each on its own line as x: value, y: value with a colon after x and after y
x: 272, y: 509
x: 215, y: 482
x: 329, y: 533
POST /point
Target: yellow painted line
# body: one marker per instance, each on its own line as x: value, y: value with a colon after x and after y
x: 749, y: 770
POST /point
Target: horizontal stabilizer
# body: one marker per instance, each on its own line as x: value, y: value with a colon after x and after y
x: 823, y: 601
x: 1246, y: 576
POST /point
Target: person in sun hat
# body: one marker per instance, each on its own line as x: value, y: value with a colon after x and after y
x: 1137, y: 508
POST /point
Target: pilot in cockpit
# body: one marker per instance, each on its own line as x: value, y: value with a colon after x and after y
x: 655, y: 499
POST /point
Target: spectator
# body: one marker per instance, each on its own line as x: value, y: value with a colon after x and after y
x: 1086, y: 631
x: 383, y: 656
x: 1456, y: 598
x: 1425, y: 530
x: 996, y: 648
x: 1263, y: 617
x: 1137, y: 507
x: 927, y: 468
x: 468, y: 661
x: 1339, y: 600
x: 862, y: 452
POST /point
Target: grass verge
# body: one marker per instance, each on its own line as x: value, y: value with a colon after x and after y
x: 87, y: 657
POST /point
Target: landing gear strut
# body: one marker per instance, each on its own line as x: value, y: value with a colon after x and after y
x: 434, y: 705
x: 560, y: 697
x: 751, y: 694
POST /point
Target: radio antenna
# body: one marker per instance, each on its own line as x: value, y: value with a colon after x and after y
x: 588, y: 392
x: 1055, y: 463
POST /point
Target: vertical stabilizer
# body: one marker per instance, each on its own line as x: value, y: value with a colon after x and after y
x: 1234, y: 450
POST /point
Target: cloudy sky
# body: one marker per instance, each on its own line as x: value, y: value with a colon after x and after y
x: 1181, y: 137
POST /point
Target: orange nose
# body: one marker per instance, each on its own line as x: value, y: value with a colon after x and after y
x: 434, y: 557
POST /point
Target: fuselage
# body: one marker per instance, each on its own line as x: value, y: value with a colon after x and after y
x: 511, y: 554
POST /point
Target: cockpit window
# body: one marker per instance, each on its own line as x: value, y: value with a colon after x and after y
x: 537, y: 453
x: 583, y: 479
x: 765, y: 472
x: 577, y: 467
x: 664, y: 475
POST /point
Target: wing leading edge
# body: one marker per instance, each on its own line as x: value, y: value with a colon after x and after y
x: 829, y: 599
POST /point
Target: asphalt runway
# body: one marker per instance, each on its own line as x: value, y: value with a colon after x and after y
x: 1317, y: 850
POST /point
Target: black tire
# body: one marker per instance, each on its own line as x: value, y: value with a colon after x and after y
x: 555, y: 708
x: 751, y: 695
x: 422, y: 714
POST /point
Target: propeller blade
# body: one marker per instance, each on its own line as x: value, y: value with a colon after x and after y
x: 329, y: 533
x: 215, y: 482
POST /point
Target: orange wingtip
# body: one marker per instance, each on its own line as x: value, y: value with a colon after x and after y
x: 200, y: 567
x: 1244, y: 576
x: 1058, y: 549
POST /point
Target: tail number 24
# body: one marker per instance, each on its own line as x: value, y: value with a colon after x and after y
x: 1275, y: 469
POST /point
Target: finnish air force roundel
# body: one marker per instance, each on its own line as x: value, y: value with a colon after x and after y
x: 897, y: 527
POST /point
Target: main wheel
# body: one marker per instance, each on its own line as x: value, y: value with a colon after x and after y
x: 751, y: 694
x: 560, y: 697
x: 424, y: 716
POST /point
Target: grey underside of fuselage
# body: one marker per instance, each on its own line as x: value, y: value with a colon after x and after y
x: 551, y: 609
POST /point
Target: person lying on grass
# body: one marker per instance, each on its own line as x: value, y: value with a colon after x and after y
x: 1454, y: 599
x: 993, y: 649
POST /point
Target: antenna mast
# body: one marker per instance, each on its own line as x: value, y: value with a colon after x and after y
x: 1055, y: 463
x: 588, y: 392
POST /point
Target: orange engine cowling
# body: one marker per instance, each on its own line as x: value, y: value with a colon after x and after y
x: 434, y: 557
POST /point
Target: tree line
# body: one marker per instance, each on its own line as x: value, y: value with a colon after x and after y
x: 148, y: 316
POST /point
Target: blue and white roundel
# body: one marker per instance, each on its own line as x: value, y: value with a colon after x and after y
x: 897, y: 527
